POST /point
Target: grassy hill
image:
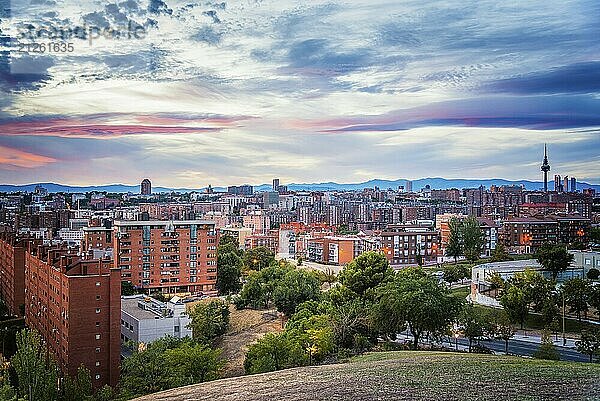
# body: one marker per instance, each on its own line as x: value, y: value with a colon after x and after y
x: 407, y: 376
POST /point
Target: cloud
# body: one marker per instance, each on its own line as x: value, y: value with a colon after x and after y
x: 11, y: 158
x: 535, y: 113
x: 573, y: 78
x: 105, y: 126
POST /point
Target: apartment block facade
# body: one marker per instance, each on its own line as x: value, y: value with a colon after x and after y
x: 402, y: 243
x: 12, y: 272
x: 170, y: 256
x: 75, y: 305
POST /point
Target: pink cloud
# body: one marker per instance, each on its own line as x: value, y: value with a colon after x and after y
x: 11, y: 159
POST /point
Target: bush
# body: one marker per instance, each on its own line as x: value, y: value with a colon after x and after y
x: 593, y: 274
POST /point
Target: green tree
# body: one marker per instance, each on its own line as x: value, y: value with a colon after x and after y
x: 260, y: 286
x: 226, y: 240
x: 496, y: 282
x: 500, y: 254
x: 473, y: 239
x: 554, y: 258
x: 577, y: 293
x: 454, y: 247
x: 594, y: 234
x: 453, y: 273
x: 475, y: 324
x: 36, y: 375
x: 547, y: 349
x: 258, y: 258
x: 594, y: 298
x: 78, y: 388
x: 229, y: 273
x: 366, y: 272
x: 146, y: 370
x: 589, y: 342
x: 209, y: 320
x: 296, y: 287
x: 415, y: 300
x: 503, y: 329
x: 193, y: 363
x: 127, y: 288
x: 515, y: 304
x: 274, y: 352
x: 593, y: 274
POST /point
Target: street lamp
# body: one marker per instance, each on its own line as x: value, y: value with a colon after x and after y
x: 563, y: 319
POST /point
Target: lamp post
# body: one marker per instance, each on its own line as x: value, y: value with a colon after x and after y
x: 563, y: 318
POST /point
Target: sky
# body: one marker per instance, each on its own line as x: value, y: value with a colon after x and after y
x: 240, y: 92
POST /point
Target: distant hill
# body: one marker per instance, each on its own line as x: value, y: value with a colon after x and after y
x: 434, y: 183
x: 407, y: 376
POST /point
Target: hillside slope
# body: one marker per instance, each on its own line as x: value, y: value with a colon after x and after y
x: 407, y: 376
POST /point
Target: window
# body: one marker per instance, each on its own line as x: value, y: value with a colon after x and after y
x: 97, y: 363
x: 97, y: 297
x: 176, y: 329
x: 97, y: 377
x: 97, y: 284
x: 97, y: 310
x: 97, y: 350
x: 97, y: 324
x: 97, y: 336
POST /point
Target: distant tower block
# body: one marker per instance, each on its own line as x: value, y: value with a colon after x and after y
x: 276, y: 185
x: 408, y: 186
x: 146, y: 187
x: 545, y: 168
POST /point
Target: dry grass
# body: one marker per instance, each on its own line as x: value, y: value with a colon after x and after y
x: 407, y: 376
x: 245, y: 327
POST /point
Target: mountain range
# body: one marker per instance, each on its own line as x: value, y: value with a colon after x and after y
x: 434, y: 183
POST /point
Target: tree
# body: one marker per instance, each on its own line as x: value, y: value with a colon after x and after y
x: 229, y: 273
x: 417, y: 301
x: 454, y: 247
x: 577, y: 294
x: 500, y: 254
x: 78, y: 388
x: 36, y: 375
x: 475, y: 324
x: 225, y: 240
x: 127, y: 288
x: 258, y: 290
x: 594, y: 298
x: 593, y: 274
x: 595, y: 235
x: 589, y: 342
x: 473, y: 239
x: 547, y: 349
x: 554, y: 258
x: 258, y: 258
x: 366, y: 272
x: 503, y: 328
x: 193, y: 363
x: 455, y: 272
x: 496, y: 282
x: 209, y: 320
x: 274, y: 352
x: 296, y: 287
x: 515, y: 304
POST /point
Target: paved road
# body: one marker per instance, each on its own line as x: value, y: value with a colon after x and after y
x: 515, y: 347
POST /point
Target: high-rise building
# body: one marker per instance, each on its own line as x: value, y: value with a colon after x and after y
x: 171, y: 256
x: 557, y: 183
x: 75, y: 305
x: 545, y: 168
x: 408, y: 186
x: 240, y: 190
x: 573, y: 184
x: 146, y: 187
x: 12, y: 273
x: 566, y: 183
x: 276, y: 185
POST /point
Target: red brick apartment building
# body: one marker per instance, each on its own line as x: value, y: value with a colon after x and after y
x: 401, y: 244
x: 12, y: 272
x: 75, y: 305
x: 172, y: 256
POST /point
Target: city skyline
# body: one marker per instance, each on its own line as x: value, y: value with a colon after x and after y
x: 239, y: 92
